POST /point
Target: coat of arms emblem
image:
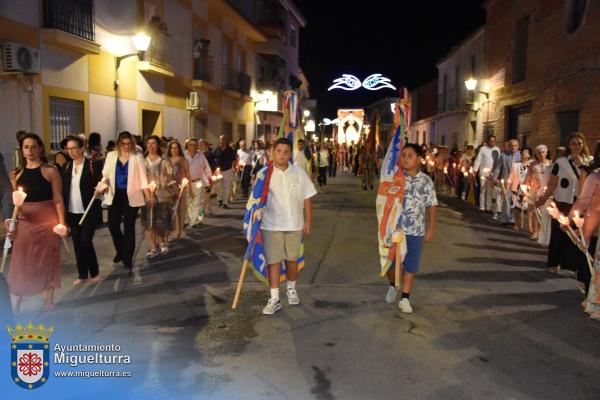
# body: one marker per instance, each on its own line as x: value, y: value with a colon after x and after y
x: 30, y: 355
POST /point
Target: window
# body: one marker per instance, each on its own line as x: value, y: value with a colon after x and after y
x: 424, y: 140
x: 575, y: 13
x: 457, y: 85
x: 473, y: 65
x: 66, y: 117
x: 519, y: 67
x: 241, y: 131
x: 228, y: 130
x: 519, y: 123
x: 568, y: 123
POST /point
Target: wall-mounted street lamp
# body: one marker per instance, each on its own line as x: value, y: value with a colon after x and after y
x: 141, y: 42
x: 307, y: 113
x: 471, y: 85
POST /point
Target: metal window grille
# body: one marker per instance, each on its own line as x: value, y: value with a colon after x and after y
x: 72, y: 16
x: 66, y: 117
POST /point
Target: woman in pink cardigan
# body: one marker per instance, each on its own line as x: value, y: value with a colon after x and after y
x: 127, y: 191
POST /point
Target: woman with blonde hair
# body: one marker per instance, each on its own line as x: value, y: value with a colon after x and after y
x: 127, y: 191
x: 35, y: 263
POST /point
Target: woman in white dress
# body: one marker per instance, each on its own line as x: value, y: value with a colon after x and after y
x: 539, y: 176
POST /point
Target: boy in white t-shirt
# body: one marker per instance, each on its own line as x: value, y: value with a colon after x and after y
x: 288, y: 215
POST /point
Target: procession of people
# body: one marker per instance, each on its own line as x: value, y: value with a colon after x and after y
x: 168, y: 184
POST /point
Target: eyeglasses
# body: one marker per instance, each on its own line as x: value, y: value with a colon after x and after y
x: 73, y: 148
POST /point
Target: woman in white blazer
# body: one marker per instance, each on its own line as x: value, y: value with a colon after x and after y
x: 127, y: 192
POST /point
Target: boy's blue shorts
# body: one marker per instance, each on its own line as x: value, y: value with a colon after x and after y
x: 414, y: 245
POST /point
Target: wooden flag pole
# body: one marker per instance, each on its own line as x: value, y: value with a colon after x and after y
x: 238, y: 291
x: 398, y: 270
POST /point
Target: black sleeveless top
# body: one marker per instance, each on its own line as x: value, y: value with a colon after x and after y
x: 35, y: 185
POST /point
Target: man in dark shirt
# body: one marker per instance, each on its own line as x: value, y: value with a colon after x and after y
x: 225, y: 159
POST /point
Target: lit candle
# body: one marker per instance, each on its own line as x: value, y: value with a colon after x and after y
x: 184, y: 182
x: 199, y: 185
x: 152, y: 186
x: 19, y: 197
x: 579, y: 221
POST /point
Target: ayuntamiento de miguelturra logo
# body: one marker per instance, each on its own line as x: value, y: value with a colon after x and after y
x: 30, y: 355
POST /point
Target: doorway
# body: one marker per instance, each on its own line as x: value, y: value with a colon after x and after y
x: 150, y: 123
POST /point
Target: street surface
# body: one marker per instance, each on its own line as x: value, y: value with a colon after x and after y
x: 489, y: 321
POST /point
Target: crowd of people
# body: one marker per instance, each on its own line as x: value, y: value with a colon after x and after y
x: 166, y: 183
x: 518, y: 185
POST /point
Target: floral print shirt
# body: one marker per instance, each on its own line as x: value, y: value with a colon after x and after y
x: 419, y: 193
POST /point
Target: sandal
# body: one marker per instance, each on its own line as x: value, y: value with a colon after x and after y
x: 151, y: 253
x: 96, y: 280
x: 49, y: 307
x: 164, y: 249
x: 77, y: 282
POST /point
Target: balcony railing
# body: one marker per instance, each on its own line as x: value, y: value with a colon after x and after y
x: 203, y: 69
x: 245, y: 83
x: 72, y: 16
x: 236, y: 81
x: 157, y: 51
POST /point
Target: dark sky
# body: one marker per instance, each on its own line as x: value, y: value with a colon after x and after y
x: 401, y: 39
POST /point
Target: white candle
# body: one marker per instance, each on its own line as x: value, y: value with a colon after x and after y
x: 184, y: 182
x: 19, y: 197
x: 152, y: 186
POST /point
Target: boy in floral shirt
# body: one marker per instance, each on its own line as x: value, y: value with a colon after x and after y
x: 417, y: 221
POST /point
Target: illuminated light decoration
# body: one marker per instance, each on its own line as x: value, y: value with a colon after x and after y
x: 346, y: 82
x: 377, y: 82
x: 372, y: 82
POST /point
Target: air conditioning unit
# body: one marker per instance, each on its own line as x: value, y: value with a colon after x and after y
x: 20, y: 58
x: 192, y: 101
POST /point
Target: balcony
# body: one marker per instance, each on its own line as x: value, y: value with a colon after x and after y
x: 156, y: 58
x: 273, y: 46
x: 203, y: 72
x: 70, y: 24
x: 235, y: 83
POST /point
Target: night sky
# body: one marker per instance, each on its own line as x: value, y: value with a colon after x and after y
x: 401, y: 39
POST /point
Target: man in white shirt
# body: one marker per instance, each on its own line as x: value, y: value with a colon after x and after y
x: 244, y: 161
x: 489, y: 196
x: 300, y: 157
x: 288, y: 214
x: 200, y: 174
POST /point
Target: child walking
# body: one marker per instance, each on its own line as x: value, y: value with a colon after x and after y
x: 418, y: 221
x: 288, y: 215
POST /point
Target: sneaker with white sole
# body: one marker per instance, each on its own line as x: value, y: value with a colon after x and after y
x: 273, y: 305
x: 405, y: 306
x: 391, y: 295
x: 293, y: 298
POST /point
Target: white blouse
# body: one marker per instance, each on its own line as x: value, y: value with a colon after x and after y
x: 75, y: 201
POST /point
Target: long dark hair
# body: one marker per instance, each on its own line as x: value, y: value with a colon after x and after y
x: 157, y: 140
x: 171, y: 143
x: 39, y: 142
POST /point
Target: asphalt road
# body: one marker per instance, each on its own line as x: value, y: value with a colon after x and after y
x: 489, y: 321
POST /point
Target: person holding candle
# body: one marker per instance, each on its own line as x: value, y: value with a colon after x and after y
x: 158, y: 213
x: 200, y: 178
x: 582, y: 213
x: 225, y: 160
x: 501, y: 174
x: 538, y: 178
x: 244, y: 160
x: 564, y: 187
x: 80, y: 178
x: 517, y: 177
x: 486, y: 160
x: 181, y: 170
x: 35, y: 264
x: 127, y: 191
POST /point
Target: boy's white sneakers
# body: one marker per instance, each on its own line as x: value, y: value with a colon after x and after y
x: 390, y: 297
x: 405, y: 306
x: 273, y: 305
x: 292, y: 296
